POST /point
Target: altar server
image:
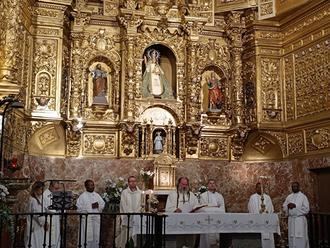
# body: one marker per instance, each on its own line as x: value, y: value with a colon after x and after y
x: 215, y: 204
x: 130, y: 202
x: 54, y: 228
x: 261, y: 203
x: 296, y: 206
x: 90, y: 202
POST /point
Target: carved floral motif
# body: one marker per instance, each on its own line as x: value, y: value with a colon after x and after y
x: 99, y: 144
x: 295, y: 143
x: 214, y: 147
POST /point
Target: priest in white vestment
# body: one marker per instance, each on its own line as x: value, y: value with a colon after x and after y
x: 54, y: 228
x: 182, y: 200
x: 296, y: 206
x: 35, y: 231
x: 130, y: 202
x: 255, y: 207
x: 215, y: 204
x: 90, y: 202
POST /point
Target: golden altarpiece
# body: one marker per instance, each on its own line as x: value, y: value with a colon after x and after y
x: 198, y: 79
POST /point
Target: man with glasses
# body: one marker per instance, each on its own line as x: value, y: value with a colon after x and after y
x: 130, y: 202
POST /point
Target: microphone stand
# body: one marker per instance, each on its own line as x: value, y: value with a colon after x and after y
x: 62, y: 200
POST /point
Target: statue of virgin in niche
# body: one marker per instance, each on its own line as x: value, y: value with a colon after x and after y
x: 154, y: 82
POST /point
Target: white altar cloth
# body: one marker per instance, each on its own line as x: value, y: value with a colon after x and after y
x: 197, y: 223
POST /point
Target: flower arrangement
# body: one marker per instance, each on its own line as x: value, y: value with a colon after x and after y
x: 113, y: 190
x: 5, y: 212
x: 146, y: 175
x: 200, y: 191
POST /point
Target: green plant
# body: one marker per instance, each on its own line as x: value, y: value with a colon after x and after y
x: 6, y: 219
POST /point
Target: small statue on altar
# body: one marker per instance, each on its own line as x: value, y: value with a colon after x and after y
x: 154, y: 81
x: 158, y: 143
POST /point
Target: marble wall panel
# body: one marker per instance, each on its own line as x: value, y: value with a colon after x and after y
x: 235, y: 180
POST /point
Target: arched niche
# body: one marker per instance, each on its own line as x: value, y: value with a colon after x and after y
x: 158, y: 128
x: 100, y: 74
x: 167, y: 63
x: 261, y: 147
x: 157, y: 116
x: 214, y: 90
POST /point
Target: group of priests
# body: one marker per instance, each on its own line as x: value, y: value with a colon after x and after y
x: 183, y: 200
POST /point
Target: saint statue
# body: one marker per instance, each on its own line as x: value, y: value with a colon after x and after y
x: 216, y: 98
x: 158, y: 143
x: 99, y: 85
x: 154, y: 81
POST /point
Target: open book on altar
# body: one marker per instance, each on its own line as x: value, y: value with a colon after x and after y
x: 197, y: 208
x: 208, y: 209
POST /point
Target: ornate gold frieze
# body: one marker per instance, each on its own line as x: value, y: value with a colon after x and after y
x: 15, y: 133
x: 214, y: 147
x: 46, y: 12
x: 266, y: 9
x: 270, y: 88
x: 193, y: 134
x: 96, y: 144
x: 47, y: 31
x: 318, y: 139
x: 295, y: 28
x: 110, y: 7
x: 289, y: 87
x: 43, y: 90
x: 296, y: 144
x: 73, y: 142
x: 47, y: 136
x: 36, y: 125
x: 11, y: 46
x: 262, y: 144
x: 312, y: 79
x: 128, y: 135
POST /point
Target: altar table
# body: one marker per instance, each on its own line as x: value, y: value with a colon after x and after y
x: 199, y: 223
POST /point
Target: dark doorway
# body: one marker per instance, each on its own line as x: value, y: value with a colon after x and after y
x: 323, y: 186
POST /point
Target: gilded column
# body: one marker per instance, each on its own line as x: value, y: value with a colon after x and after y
x: 50, y: 58
x: 194, y: 85
x: 11, y: 34
x: 235, y: 29
x: 130, y: 22
x: 76, y: 77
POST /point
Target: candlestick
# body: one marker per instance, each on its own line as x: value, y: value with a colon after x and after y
x: 149, y: 201
x: 143, y: 201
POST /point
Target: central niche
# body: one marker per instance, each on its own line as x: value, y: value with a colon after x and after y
x: 159, y: 73
x: 158, y: 133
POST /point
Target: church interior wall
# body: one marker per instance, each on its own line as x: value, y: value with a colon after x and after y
x: 285, y: 62
x: 235, y: 180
